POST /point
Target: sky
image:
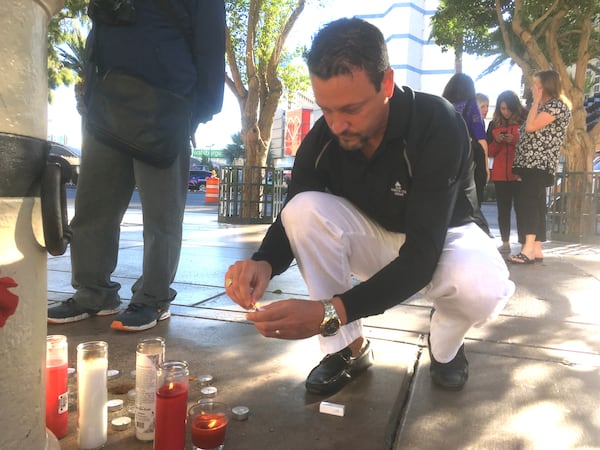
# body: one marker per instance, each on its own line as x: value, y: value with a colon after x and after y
x: 64, y: 123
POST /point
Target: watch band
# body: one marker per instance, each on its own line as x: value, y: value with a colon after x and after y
x: 331, y: 320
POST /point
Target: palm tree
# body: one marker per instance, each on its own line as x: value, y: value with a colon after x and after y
x: 235, y: 150
x: 73, y: 57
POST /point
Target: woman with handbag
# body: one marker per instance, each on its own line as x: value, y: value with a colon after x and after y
x: 541, y: 138
x: 503, y: 135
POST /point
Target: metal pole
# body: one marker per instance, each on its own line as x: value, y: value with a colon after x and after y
x: 23, y: 261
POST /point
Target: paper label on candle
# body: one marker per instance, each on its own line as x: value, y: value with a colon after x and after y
x: 145, y: 391
x: 63, y: 403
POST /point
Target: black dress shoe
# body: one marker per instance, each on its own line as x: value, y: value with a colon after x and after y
x: 338, y: 369
x: 452, y: 375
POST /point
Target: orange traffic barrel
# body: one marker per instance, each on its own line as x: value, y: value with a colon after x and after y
x: 212, y: 190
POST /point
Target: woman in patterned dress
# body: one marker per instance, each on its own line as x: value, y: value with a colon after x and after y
x: 541, y: 138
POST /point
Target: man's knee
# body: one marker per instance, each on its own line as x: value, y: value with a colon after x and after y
x: 472, y: 296
x: 306, y: 209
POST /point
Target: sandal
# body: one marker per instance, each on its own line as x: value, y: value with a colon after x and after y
x: 521, y: 258
x: 504, y: 249
x: 539, y: 260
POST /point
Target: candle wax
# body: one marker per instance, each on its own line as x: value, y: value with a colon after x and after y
x: 208, y: 430
x: 57, y: 402
x: 92, y: 398
x: 171, y: 411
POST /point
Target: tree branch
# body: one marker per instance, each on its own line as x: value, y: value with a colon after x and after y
x: 235, y: 82
x: 532, y: 49
x: 516, y: 25
x: 551, y: 36
x: 544, y: 16
x: 583, y: 50
x: 272, y: 79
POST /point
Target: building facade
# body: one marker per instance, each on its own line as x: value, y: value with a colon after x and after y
x: 417, y: 62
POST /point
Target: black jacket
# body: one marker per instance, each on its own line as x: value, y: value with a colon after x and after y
x: 187, y: 59
x: 418, y: 182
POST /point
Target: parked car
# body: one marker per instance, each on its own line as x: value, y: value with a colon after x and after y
x: 71, y: 154
x: 197, y: 179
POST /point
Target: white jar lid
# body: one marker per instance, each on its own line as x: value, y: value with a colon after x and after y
x: 121, y: 423
x: 209, y: 391
x: 240, y: 412
x: 205, y: 379
x: 114, y: 404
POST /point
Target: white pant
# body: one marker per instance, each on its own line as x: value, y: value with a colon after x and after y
x: 332, y: 240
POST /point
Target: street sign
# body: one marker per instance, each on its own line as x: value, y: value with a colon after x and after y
x: 208, y: 152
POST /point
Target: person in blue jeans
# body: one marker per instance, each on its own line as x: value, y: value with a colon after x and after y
x: 181, y: 50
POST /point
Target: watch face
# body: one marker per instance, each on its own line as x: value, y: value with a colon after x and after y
x: 331, y: 326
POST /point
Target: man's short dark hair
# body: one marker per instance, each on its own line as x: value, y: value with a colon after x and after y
x: 347, y: 44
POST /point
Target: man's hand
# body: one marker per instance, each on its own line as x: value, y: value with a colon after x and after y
x: 246, y: 281
x: 288, y: 319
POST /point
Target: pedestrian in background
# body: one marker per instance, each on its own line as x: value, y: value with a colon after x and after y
x: 540, y: 139
x: 177, y: 46
x: 460, y: 91
x: 483, y: 101
x: 381, y: 190
x: 503, y: 135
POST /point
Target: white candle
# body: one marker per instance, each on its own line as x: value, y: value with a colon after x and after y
x: 92, y: 399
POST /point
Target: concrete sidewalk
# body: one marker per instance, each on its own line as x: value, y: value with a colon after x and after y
x: 534, y: 372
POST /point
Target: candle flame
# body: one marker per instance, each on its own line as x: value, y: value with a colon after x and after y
x: 212, y: 423
x: 171, y: 386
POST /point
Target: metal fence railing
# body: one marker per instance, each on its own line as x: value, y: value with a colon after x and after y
x: 574, y: 207
x: 250, y: 194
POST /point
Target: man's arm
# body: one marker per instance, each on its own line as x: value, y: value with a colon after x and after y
x: 439, y: 162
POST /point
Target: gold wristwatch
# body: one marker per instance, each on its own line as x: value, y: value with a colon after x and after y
x: 331, y: 321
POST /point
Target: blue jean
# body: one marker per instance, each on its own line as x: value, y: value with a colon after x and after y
x: 106, y: 182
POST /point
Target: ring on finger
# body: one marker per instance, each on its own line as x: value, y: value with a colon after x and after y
x: 278, y: 332
x: 228, y: 282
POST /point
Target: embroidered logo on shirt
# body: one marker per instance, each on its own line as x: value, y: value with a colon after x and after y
x: 398, y: 190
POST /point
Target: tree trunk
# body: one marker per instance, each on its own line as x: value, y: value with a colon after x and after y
x: 257, y: 121
x: 256, y: 156
x: 458, y: 54
x: 259, y: 54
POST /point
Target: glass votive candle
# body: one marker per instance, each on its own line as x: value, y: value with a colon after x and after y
x: 57, y: 391
x: 208, y: 423
x: 92, y: 394
x: 171, y: 405
x: 149, y: 355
